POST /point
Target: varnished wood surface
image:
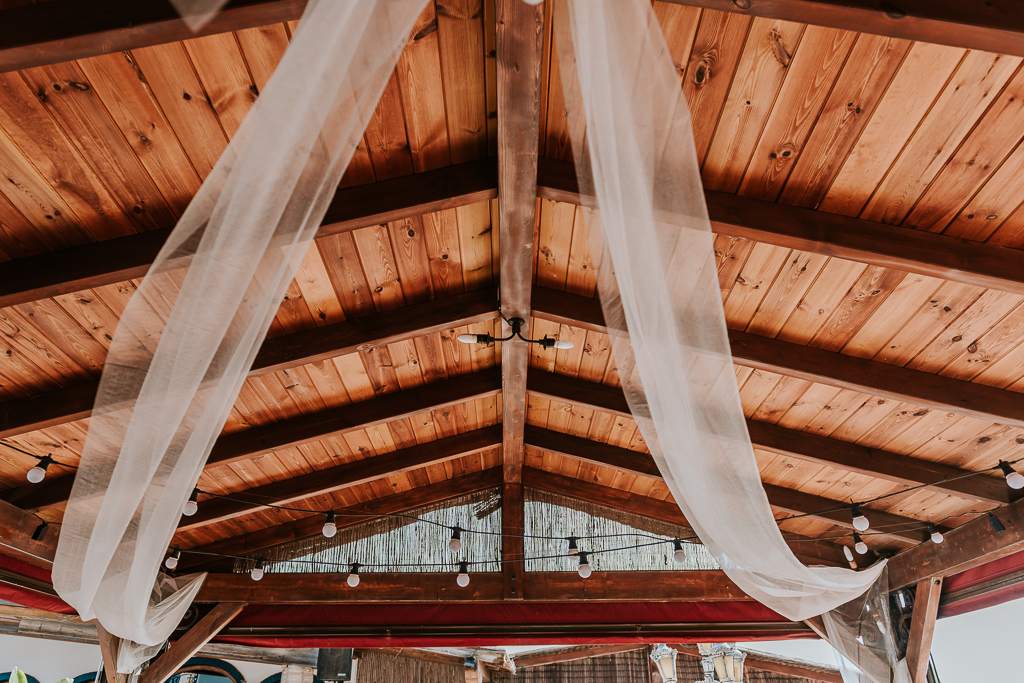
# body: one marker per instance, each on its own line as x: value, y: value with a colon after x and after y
x: 165, y: 665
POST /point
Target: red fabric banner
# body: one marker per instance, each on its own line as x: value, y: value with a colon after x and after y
x: 25, y: 596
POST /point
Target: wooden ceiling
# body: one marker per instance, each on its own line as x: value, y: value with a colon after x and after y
x: 880, y: 349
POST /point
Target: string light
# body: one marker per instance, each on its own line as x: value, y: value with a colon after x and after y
x: 679, y: 555
x: 455, y: 545
x: 257, y: 571
x: 40, y: 532
x: 38, y: 473
x: 860, y: 522
x: 353, y: 575
x: 848, y: 553
x: 191, y: 505
x: 584, y: 570
x: 859, y: 545
x: 935, y: 534
x: 1013, y: 478
x: 172, y: 560
x: 463, y: 578
x: 574, y: 549
x: 996, y: 524
x: 516, y: 325
x: 330, y: 528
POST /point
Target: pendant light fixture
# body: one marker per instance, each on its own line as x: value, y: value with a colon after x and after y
x: 517, y: 325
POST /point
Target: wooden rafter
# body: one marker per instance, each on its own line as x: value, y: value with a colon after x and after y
x: 326, y: 481
x: 303, y: 429
x: 165, y: 666
x: 965, y: 547
x: 520, y: 31
x: 17, y: 537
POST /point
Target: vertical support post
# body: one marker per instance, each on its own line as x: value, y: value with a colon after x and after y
x: 512, y: 547
x: 109, y: 647
x: 922, y: 627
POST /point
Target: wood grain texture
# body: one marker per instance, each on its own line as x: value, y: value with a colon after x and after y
x: 168, y: 663
x: 922, y: 627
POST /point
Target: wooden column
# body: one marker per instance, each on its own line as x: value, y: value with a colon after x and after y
x: 922, y: 627
x: 519, y: 49
x: 109, y: 647
x: 164, y: 666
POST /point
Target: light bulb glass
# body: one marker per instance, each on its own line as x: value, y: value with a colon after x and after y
x: 256, y: 574
x: 848, y: 553
x: 679, y: 556
x: 353, y: 579
x: 1014, y: 479
x: 171, y: 562
x: 190, y: 508
x: 462, y: 579
x: 936, y: 535
x: 37, y: 474
x: 455, y: 545
x: 861, y: 547
x: 585, y: 570
x: 467, y: 338
x: 533, y: 2
x: 563, y: 344
x: 330, y: 529
x: 861, y: 523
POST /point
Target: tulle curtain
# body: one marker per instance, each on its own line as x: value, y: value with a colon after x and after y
x: 188, y: 336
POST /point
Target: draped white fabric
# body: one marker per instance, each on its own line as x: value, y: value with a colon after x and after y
x: 188, y: 336
x: 657, y: 279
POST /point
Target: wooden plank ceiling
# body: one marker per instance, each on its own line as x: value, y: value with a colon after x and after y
x: 886, y: 130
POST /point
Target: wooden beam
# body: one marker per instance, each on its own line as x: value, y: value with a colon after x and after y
x: 321, y: 482
x: 165, y: 666
x: 109, y: 646
x: 64, y: 30
x: 969, y: 545
x: 854, y: 239
x: 576, y: 654
x: 520, y: 31
x: 253, y: 543
x: 627, y: 586
x: 993, y: 27
x: 303, y: 429
x: 112, y: 261
x: 16, y: 540
x: 513, y: 521
x: 922, y: 627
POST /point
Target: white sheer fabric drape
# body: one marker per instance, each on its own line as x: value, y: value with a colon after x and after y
x: 657, y: 280
x: 188, y: 336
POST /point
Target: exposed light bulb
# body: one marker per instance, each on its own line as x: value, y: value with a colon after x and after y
x: 533, y: 2
x: 257, y: 571
x: 679, y: 555
x: 584, y: 570
x: 574, y: 549
x: 860, y: 522
x: 330, y: 528
x: 38, y: 473
x: 467, y: 338
x: 463, y: 578
x: 858, y: 544
x: 848, y: 553
x: 353, y: 576
x: 936, y: 535
x: 455, y: 545
x: 1013, y: 478
x: 191, y: 505
x: 559, y: 344
x: 172, y: 560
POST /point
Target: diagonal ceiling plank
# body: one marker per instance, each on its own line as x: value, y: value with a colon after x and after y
x: 321, y: 482
x: 166, y: 664
x: 125, y: 258
x: 520, y: 32
x: 287, y: 351
x: 826, y: 367
x: 303, y: 429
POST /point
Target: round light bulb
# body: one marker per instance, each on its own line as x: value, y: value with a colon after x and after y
x: 861, y: 547
x: 330, y: 529
x: 462, y: 579
x: 256, y: 574
x: 935, y: 534
x: 171, y: 562
x: 353, y: 579
x: 679, y: 556
x: 1014, y: 479
x: 467, y: 338
x: 585, y: 570
x: 533, y: 2
x: 574, y: 549
x: 37, y: 474
x: 563, y: 344
x: 860, y: 522
x: 190, y: 508
x: 848, y: 553
x: 455, y: 545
